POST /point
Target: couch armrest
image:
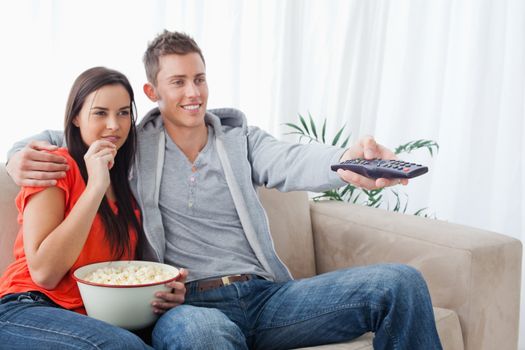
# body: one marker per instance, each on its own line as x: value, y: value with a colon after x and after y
x: 474, y: 272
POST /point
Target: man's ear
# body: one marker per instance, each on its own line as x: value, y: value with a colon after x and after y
x: 149, y: 90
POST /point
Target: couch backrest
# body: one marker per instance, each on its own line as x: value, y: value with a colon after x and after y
x: 288, y: 213
x: 291, y: 227
x: 8, y: 214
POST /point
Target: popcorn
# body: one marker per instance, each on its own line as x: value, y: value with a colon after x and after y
x: 128, y: 275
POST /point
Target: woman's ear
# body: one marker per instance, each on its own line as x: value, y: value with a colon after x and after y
x: 149, y: 90
x: 75, y: 122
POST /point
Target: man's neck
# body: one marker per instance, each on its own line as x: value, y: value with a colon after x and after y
x: 189, y: 140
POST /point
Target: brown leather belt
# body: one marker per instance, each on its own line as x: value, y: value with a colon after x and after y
x: 207, y: 284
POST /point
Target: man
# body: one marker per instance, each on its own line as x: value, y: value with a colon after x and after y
x: 195, y: 177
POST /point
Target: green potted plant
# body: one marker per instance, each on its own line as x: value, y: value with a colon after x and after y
x: 393, y: 200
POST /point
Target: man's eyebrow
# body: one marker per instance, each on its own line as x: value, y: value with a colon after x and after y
x: 176, y: 76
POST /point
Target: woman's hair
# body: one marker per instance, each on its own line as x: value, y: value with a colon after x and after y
x: 116, y: 225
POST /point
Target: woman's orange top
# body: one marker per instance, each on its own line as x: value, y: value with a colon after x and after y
x: 17, y: 279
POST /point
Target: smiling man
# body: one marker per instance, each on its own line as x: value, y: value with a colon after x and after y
x: 195, y: 177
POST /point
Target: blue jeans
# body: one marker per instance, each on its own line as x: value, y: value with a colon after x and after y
x: 31, y: 321
x: 390, y: 300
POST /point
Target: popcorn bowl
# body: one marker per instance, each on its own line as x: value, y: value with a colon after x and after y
x: 123, y: 305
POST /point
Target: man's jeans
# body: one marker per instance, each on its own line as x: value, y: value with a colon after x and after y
x: 32, y: 321
x: 391, y: 300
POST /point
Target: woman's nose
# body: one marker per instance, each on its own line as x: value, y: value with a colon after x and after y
x: 112, y: 123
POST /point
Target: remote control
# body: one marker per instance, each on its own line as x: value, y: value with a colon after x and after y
x: 382, y: 168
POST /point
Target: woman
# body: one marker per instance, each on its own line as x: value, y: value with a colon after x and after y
x: 89, y: 216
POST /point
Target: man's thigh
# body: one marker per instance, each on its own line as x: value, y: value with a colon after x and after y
x: 328, y: 308
x: 194, y: 327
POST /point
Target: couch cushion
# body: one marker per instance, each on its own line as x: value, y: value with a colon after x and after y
x: 290, y: 224
x: 8, y: 215
x: 448, y: 327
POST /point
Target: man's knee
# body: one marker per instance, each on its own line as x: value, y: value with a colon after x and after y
x: 405, y: 283
x: 195, y: 328
x: 405, y: 276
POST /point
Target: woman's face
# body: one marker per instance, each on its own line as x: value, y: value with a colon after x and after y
x: 105, y: 114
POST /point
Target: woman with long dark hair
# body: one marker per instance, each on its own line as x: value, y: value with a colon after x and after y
x: 89, y: 216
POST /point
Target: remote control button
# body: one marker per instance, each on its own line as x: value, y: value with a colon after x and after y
x: 406, y: 170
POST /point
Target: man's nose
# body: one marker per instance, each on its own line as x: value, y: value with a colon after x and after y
x: 192, y: 90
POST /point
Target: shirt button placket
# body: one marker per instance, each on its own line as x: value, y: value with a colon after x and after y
x: 192, y: 190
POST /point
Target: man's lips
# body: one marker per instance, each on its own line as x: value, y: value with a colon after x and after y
x: 191, y: 107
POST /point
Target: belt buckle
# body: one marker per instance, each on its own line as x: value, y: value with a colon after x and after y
x: 226, y: 280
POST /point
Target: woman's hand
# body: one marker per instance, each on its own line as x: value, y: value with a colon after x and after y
x: 99, y: 158
x: 168, y: 300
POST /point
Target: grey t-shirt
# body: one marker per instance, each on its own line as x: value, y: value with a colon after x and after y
x: 203, y: 231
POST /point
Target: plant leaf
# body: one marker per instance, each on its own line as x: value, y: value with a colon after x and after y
x: 408, y: 147
x: 345, y: 142
x: 420, y: 211
x: 323, y: 131
x: 347, y: 188
x: 337, y: 136
x: 398, y: 201
x: 304, y: 124
x: 312, y: 126
x: 293, y: 126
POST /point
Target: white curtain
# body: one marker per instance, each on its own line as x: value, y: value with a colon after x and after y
x: 448, y: 70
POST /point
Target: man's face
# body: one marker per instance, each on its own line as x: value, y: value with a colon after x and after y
x: 181, y: 90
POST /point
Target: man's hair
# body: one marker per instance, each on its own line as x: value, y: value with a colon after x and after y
x: 167, y: 43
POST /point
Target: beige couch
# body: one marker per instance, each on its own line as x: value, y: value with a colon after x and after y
x: 473, y: 275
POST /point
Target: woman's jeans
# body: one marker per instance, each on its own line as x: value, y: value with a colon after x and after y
x: 32, y: 321
x: 390, y: 300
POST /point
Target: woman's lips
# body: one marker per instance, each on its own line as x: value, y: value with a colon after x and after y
x: 113, y: 139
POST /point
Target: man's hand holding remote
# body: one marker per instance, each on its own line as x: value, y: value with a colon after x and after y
x: 368, y: 148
